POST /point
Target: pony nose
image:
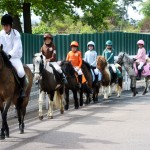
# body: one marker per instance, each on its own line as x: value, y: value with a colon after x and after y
x: 36, y: 77
x: 37, y: 82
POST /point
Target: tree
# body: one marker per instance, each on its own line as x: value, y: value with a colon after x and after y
x: 98, y: 9
x: 145, y: 24
x: 62, y: 26
x: 146, y: 8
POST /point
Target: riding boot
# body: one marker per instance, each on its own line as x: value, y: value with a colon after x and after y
x: 79, y: 80
x: 22, y: 85
x: 63, y: 78
x: 139, y: 74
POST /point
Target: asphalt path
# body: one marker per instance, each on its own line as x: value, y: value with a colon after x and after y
x: 116, y: 124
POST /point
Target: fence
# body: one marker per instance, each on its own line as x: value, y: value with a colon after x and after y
x: 122, y: 41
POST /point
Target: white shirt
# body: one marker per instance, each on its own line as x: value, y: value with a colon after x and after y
x: 11, y: 43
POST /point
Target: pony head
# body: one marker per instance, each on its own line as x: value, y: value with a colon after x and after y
x: 101, y: 62
x: 38, y: 65
x: 124, y: 58
x: 120, y: 60
x: 67, y: 68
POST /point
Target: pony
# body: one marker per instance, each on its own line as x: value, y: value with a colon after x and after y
x: 86, y: 69
x: 48, y: 79
x: 128, y: 63
x: 72, y: 85
x: 109, y: 77
x: 9, y: 93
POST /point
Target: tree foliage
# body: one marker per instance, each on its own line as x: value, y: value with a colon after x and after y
x: 146, y: 8
x: 62, y: 26
x: 98, y: 9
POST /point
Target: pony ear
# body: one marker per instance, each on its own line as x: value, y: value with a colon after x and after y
x: 1, y: 47
x: 41, y: 56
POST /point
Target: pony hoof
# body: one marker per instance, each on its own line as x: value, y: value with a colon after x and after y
x: 22, y: 131
x: 76, y: 107
x: 66, y: 107
x: 50, y: 117
x: 61, y: 111
x: 2, y: 137
x: 40, y: 117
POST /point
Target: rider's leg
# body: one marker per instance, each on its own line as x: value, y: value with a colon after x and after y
x: 80, y: 77
x: 21, y: 73
x: 96, y: 71
x: 140, y: 70
x: 61, y: 74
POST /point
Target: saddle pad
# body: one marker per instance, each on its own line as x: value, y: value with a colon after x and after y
x: 83, y: 78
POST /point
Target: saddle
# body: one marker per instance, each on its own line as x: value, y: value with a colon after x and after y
x: 145, y: 69
x: 137, y: 64
x: 56, y: 74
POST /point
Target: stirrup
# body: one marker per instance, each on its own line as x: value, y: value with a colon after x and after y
x: 57, y: 86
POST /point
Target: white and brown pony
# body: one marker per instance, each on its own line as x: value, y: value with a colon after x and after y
x: 47, y: 77
x: 109, y: 78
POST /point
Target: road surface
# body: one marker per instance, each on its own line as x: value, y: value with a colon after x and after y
x: 117, y: 124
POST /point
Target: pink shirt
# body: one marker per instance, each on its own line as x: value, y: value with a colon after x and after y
x: 141, y: 55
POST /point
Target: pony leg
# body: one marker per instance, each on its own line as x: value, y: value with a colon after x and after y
x: 118, y: 89
x: 41, y: 97
x: 21, y: 113
x: 76, y: 104
x: 81, y: 96
x: 61, y: 104
x: 110, y: 90
x: 133, y: 86
x: 105, y: 92
x: 50, y: 110
x: 5, y: 128
x: 61, y: 90
x: 147, y: 84
x: 51, y: 104
x: 67, y: 98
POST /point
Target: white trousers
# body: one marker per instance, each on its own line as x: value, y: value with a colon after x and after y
x: 113, y: 67
x: 79, y: 71
x: 16, y: 62
x: 56, y: 66
x: 140, y: 65
x: 97, y: 72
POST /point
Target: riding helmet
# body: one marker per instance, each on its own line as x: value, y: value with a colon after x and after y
x: 91, y: 43
x: 140, y: 42
x: 109, y: 42
x: 6, y: 20
x: 47, y: 35
x: 74, y: 43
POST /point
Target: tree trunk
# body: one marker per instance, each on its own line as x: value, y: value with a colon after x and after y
x: 17, y: 23
x: 27, y: 18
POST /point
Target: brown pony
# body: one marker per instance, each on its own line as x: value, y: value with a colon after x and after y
x: 86, y: 69
x: 108, y: 77
x: 9, y: 93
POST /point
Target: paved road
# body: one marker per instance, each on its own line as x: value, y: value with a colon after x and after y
x: 118, y: 124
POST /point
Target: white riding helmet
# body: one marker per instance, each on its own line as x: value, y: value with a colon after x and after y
x: 91, y: 43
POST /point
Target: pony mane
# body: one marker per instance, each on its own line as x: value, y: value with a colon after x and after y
x: 87, y: 65
x: 69, y: 69
x: 127, y: 57
x: 5, y: 58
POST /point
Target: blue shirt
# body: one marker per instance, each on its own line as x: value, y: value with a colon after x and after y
x: 90, y: 57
